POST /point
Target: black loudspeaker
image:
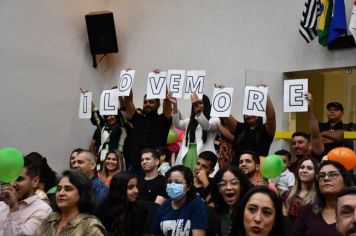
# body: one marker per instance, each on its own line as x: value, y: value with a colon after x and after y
x: 101, y: 32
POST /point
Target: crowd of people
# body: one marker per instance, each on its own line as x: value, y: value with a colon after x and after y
x: 129, y: 183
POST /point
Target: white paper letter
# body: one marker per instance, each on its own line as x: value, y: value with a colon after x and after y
x: 157, y: 85
x: 109, y: 102
x: 294, y: 91
x: 255, y: 101
x: 222, y: 100
x: 125, y: 82
x: 85, y: 105
x: 194, y: 83
x: 176, y: 82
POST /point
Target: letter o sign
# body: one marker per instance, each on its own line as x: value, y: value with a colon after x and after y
x: 222, y: 102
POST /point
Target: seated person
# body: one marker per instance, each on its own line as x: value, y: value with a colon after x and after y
x: 164, y: 160
x: 285, y: 181
x: 203, y: 168
x: 152, y: 186
x: 26, y: 209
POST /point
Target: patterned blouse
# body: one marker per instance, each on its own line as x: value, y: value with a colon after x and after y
x: 82, y: 224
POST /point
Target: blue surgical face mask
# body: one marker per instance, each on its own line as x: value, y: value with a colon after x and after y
x: 175, y: 191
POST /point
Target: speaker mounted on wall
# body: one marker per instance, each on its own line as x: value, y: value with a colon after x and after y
x: 101, y: 33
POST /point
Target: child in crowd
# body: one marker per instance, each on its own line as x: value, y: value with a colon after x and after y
x: 285, y: 181
x: 164, y: 160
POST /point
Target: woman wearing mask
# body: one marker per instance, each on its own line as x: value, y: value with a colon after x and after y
x: 183, y: 213
x: 304, y: 190
x: 75, y: 204
x: 200, y: 130
x: 228, y: 187
x: 319, y: 218
x: 259, y: 213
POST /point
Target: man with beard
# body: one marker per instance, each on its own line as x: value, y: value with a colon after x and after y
x: 249, y: 164
x: 303, y: 145
x: 26, y: 209
x: 346, y: 212
x: 149, y: 129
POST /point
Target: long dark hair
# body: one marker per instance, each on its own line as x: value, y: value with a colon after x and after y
x: 238, y: 227
x: 320, y: 201
x: 193, y: 123
x: 188, y: 176
x: 125, y: 215
x: 245, y: 185
x: 86, y: 203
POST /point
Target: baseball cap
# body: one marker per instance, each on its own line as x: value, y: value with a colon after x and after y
x: 337, y: 105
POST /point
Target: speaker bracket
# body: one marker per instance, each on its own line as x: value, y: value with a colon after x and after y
x: 94, y: 61
x: 95, y: 64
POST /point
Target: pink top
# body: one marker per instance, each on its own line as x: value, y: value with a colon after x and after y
x: 32, y: 211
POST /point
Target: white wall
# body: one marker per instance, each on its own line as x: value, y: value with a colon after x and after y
x: 44, y: 57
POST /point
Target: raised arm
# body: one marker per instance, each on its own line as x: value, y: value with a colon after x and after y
x: 270, y: 115
x: 230, y: 123
x: 270, y: 118
x: 315, y: 136
x: 167, y: 108
x: 130, y: 106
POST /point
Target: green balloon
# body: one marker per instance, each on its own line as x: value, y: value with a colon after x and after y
x: 11, y: 164
x: 172, y: 136
x: 272, y: 167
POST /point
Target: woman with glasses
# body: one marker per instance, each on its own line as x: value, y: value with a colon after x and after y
x: 229, y: 186
x: 319, y: 218
x: 304, y: 191
x: 183, y: 213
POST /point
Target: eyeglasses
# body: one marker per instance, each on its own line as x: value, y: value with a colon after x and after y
x: 331, y: 175
x: 225, y: 183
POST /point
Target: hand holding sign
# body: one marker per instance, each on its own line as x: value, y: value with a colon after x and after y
x: 197, y: 104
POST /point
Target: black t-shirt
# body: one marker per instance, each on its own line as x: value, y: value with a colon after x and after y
x: 149, y: 131
x: 150, y: 189
x: 246, y: 139
x: 328, y: 127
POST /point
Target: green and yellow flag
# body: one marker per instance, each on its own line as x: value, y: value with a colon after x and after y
x: 326, y: 9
